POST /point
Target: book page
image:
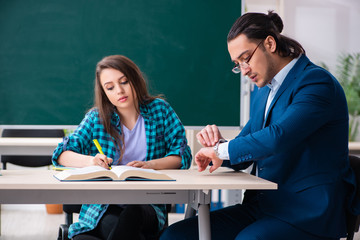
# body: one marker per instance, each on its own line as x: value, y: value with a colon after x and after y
x: 85, y: 170
x: 118, y: 170
x: 85, y: 173
x: 120, y: 173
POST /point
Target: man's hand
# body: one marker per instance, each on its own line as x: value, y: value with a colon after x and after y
x: 204, y: 157
x: 209, y: 136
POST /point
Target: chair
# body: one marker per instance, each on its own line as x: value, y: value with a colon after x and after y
x: 353, y: 221
x: 69, y: 209
x: 29, y: 161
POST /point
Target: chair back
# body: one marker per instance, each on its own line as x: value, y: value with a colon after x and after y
x: 33, y: 133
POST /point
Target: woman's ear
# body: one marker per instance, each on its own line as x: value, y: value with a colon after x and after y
x: 270, y: 44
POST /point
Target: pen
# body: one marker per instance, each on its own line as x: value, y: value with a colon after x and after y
x: 97, y: 144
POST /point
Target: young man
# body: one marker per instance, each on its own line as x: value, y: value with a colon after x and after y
x: 297, y: 137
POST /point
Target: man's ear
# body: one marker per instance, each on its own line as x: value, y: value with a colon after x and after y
x: 270, y: 44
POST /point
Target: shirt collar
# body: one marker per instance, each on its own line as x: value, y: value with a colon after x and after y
x: 280, y: 76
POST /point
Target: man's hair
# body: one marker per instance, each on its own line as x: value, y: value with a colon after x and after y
x: 258, y: 26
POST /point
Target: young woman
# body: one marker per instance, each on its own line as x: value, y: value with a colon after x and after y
x: 133, y: 128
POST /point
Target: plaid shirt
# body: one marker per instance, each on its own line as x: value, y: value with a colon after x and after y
x: 165, y: 136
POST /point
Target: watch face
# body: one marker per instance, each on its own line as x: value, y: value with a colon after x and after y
x: 216, y: 149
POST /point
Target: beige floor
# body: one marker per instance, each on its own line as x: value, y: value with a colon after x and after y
x: 31, y: 222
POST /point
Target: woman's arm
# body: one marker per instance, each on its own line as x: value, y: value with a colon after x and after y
x: 73, y: 159
x: 169, y: 162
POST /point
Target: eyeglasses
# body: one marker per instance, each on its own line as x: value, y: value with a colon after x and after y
x: 245, y: 64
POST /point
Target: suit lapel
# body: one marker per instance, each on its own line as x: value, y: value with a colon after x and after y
x: 297, y: 69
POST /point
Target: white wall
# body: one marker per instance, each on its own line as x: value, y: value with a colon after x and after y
x: 325, y: 28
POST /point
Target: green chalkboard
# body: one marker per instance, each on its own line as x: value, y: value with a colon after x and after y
x: 49, y: 49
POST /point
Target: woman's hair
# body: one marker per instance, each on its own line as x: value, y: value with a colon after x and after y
x: 138, y: 87
x: 259, y: 26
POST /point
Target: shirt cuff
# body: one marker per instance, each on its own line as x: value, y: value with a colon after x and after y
x: 223, y: 151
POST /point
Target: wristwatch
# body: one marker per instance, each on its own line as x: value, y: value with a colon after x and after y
x: 216, y: 147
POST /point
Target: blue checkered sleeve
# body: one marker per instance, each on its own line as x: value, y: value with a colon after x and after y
x: 81, y: 141
x: 90, y: 215
x: 169, y: 137
x: 175, y: 137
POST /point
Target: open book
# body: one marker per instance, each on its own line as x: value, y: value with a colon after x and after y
x: 117, y: 173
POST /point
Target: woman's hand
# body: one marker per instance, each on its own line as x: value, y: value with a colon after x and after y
x: 209, y: 136
x: 169, y: 162
x: 101, y: 160
x: 77, y: 160
x: 141, y: 164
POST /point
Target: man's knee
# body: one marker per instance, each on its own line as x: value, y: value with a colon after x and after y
x: 186, y: 229
x: 249, y: 236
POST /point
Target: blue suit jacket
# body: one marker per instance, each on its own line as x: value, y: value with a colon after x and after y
x: 302, y: 145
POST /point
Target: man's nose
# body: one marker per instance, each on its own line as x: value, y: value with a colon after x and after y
x: 245, y: 71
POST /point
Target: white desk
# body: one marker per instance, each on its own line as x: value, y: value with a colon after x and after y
x: 28, y: 146
x: 192, y: 187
